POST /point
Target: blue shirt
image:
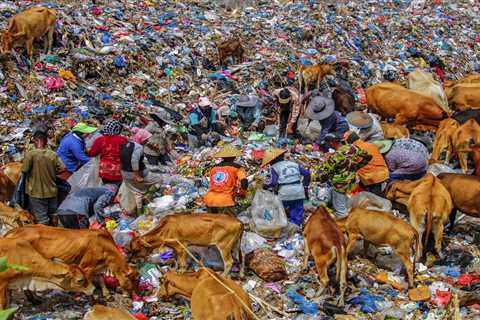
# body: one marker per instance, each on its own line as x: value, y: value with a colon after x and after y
x: 72, y: 152
x: 197, y: 115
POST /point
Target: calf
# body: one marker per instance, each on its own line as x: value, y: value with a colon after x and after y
x: 39, y: 271
x: 394, y: 131
x: 13, y: 217
x: 230, y: 48
x: 465, y: 96
x: 210, y: 300
x: 325, y: 242
x: 443, y: 140
x: 429, y: 205
x: 465, y: 192
x: 313, y: 74
x: 93, y: 250
x: 383, y: 229
x: 28, y: 25
x: 220, y: 230
x: 464, y: 138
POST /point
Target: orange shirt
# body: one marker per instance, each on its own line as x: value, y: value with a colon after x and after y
x: 376, y: 170
x: 224, y: 182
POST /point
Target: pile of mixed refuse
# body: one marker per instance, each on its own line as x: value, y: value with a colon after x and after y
x: 130, y: 59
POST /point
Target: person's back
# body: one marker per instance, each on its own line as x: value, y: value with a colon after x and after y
x: 289, y: 180
x: 108, y: 147
x: 376, y: 170
x: 224, y: 180
x: 68, y: 151
x: 407, y: 156
x: 83, y: 200
x: 42, y: 165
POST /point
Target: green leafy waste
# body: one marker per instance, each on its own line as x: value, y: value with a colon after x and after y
x: 6, y: 314
x: 4, y: 265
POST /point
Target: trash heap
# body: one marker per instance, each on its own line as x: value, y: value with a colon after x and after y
x: 131, y: 57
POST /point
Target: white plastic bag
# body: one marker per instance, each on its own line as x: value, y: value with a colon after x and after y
x: 86, y: 177
x: 437, y: 168
x: 268, y: 214
x: 251, y: 242
x: 128, y: 198
x: 369, y: 201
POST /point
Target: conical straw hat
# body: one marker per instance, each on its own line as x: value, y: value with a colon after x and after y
x: 228, y: 151
x: 271, y: 155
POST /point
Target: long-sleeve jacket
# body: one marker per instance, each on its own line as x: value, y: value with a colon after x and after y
x: 296, y: 104
x: 72, y: 152
x: 88, y: 202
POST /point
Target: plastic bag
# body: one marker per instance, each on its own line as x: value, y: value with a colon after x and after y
x: 128, y: 198
x: 438, y: 168
x: 370, y: 201
x: 86, y: 177
x: 268, y: 214
x: 340, y: 203
x: 19, y: 196
x: 251, y: 241
x: 306, y: 306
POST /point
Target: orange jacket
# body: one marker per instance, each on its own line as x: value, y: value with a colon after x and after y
x: 376, y: 170
x: 224, y: 182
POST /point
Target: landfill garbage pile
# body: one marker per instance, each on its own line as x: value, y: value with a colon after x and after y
x: 129, y: 58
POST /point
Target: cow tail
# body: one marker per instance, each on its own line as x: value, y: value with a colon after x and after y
x: 416, y: 248
x: 428, y: 227
x: 342, y: 268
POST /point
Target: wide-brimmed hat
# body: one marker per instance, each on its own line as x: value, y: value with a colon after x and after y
x: 360, y: 119
x: 228, y: 151
x: 271, y: 155
x: 204, y: 102
x: 83, y: 128
x: 320, y: 108
x: 161, y: 116
x: 284, y: 96
x: 383, y: 145
x: 247, y: 101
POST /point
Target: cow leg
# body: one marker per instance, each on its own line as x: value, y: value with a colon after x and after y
x: 182, y: 259
x: 226, y: 253
x: 453, y: 217
x: 29, y: 45
x: 3, y: 296
x: 322, y: 262
x: 32, y: 297
x: 418, y: 224
x: 437, y: 229
x: 352, y: 238
x: 306, y: 255
x: 50, y: 39
x: 463, y: 159
x: 404, y: 253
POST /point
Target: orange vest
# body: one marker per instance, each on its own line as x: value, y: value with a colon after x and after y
x: 224, y: 181
x: 376, y: 170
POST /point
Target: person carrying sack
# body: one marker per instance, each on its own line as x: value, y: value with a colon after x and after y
x: 290, y: 181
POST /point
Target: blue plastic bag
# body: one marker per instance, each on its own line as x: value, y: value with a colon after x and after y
x: 306, y: 306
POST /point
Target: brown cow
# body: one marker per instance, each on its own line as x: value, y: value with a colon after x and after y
x: 99, y: 312
x: 443, y: 140
x: 429, y: 205
x: 230, y: 48
x: 93, y: 250
x: 449, y: 84
x: 325, y: 242
x: 464, y: 138
x: 40, y: 272
x: 14, y: 217
x: 344, y: 101
x: 220, y: 230
x: 382, y: 229
x: 393, y: 101
x: 394, y: 131
x: 209, y: 299
x: 313, y: 74
x: 465, y: 96
x: 465, y: 192
x: 13, y: 170
x: 28, y: 25
x: 7, y: 188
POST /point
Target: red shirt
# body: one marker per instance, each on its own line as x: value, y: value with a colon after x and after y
x: 108, y: 147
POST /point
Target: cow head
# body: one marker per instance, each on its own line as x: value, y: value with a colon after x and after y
x: 24, y: 217
x: 128, y: 280
x: 139, y: 247
x: 8, y: 41
x: 75, y: 280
